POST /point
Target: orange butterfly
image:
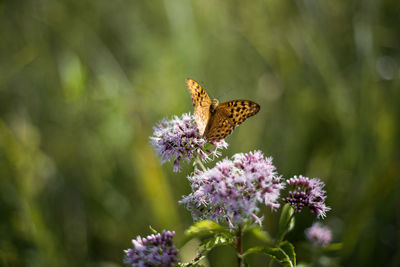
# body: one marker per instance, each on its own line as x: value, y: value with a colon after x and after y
x: 216, y: 121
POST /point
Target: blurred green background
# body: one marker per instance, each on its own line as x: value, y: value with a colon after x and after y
x: 83, y: 82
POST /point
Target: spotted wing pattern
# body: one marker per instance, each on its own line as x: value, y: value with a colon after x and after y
x: 201, y: 103
x: 227, y: 116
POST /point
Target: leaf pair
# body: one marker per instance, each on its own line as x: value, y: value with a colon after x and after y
x: 283, y: 253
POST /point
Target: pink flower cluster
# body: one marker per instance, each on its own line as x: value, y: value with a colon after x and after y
x: 306, y: 192
x: 154, y: 250
x: 179, y: 139
x: 233, y: 189
x: 319, y: 235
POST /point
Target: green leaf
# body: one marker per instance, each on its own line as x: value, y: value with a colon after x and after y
x: 204, y: 228
x: 261, y: 234
x: 286, y: 221
x: 206, y: 247
x: 216, y: 241
x: 277, y: 254
x: 288, y: 248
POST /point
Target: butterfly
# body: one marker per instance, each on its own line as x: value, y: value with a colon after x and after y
x: 216, y: 121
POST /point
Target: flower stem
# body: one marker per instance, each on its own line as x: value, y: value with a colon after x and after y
x: 196, y: 259
x: 279, y: 240
x: 239, y: 246
x: 198, y: 162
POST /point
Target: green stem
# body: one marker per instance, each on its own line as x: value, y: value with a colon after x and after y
x: 195, y: 260
x: 239, y: 246
x: 198, y: 162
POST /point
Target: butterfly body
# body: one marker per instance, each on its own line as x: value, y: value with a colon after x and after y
x: 216, y: 121
x: 214, y: 105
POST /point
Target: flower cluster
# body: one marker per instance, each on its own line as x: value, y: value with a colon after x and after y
x: 319, y: 235
x: 232, y: 189
x: 179, y: 139
x: 306, y: 192
x: 154, y: 250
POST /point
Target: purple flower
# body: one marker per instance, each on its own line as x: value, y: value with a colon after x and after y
x: 231, y: 191
x: 319, y: 235
x: 154, y: 250
x: 179, y: 139
x: 307, y: 192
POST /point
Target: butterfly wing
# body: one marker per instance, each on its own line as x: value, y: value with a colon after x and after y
x: 227, y: 116
x: 201, y: 104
